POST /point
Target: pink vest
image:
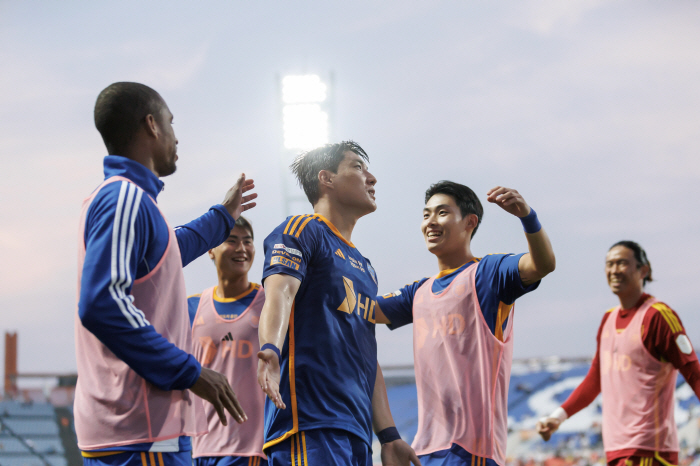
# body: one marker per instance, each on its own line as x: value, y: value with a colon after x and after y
x: 113, y: 405
x: 231, y: 347
x: 462, y: 372
x: 637, y: 389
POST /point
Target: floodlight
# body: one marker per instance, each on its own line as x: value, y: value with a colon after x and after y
x: 305, y: 123
x: 303, y: 89
x: 305, y: 126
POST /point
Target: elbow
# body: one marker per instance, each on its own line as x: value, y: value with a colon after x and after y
x: 550, y: 266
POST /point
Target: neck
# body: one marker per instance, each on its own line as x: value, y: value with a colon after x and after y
x: 230, y: 287
x: 142, y: 156
x: 630, y: 300
x: 341, y: 218
x: 454, y: 259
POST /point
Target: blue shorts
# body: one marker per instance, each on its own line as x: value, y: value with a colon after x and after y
x: 230, y: 461
x: 142, y: 458
x: 328, y: 447
x: 455, y: 456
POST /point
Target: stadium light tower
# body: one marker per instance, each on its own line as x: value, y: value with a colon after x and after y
x: 305, y: 125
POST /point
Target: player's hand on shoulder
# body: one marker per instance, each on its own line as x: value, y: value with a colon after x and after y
x: 509, y: 200
x: 269, y: 376
x: 398, y: 453
x: 546, y: 426
x: 213, y: 387
x: 235, y: 202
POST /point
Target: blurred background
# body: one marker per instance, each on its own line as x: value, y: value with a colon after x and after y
x: 591, y: 109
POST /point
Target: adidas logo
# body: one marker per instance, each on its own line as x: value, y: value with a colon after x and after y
x: 339, y: 253
x: 228, y: 337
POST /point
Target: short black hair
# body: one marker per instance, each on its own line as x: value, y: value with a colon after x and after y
x: 120, y: 109
x: 328, y: 157
x: 464, y: 197
x: 245, y: 224
x: 640, y: 256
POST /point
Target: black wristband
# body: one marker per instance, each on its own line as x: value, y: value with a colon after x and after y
x: 388, y: 435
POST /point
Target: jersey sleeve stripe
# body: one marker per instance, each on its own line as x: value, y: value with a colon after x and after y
x: 120, y: 280
x: 303, y: 225
x: 669, y: 316
x: 286, y: 229
x: 291, y: 232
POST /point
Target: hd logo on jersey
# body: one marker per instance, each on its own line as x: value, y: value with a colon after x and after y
x: 365, y: 309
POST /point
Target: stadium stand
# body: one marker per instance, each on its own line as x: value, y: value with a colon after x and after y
x: 35, y: 434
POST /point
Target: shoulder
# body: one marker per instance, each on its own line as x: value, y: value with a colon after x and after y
x: 119, y: 197
x: 299, y: 227
x: 661, y: 314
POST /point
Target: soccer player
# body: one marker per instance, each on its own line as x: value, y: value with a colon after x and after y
x: 463, y: 325
x: 318, y: 364
x: 224, y: 322
x: 134, y: 401
x: 641, y: 346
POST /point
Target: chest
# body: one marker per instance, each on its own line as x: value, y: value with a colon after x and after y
x: 342, y: 282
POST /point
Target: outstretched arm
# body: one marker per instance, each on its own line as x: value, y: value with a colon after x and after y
x: 395, y: 451
x: 211, y: 229
x: 280, y: 290
x: 540, y: 261
x: 582, y: 396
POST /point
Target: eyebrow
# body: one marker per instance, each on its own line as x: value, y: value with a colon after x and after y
x: 435, y: 207
x: 241, y: 237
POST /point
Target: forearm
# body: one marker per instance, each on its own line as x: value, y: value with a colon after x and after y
x: 204, y: 233
x: 691, y: 373
x: 143, y: 349
x: 381, y: 412
x: 541, y: 252
x: 280, y: 291
x: 585, y: 393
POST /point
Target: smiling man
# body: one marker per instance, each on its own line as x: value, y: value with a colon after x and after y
x: 462, y: 325
x: 318, y: 364
x: 641, y: 346
x: 224, y: 322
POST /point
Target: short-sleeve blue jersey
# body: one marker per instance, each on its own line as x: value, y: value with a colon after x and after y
x: 497, y: 282
x: 329, y: 357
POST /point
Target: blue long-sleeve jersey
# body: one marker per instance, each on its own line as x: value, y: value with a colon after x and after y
x: 134, y: 341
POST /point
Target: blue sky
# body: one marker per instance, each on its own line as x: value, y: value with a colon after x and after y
x: 591, y: 109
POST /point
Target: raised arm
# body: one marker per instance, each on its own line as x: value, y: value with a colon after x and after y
x: 211, y: 229
x: 395, y: 451
x: 540, y: 261
x: 280, y: 290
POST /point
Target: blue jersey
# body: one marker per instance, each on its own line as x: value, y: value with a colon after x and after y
x: 227, y: 308
x: 329, y: 357
x: 497, y: 282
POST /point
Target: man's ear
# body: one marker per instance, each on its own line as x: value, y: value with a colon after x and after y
x: 644, y: 270
x: 471, y: 222
x: 152, y: 126
x: 211, y: 254
x: 325, y: 178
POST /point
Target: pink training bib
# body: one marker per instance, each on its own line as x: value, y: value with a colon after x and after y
x: 230, y: 346
x: 113, y: 405
x: 638, y: 390
x: 462, y: 372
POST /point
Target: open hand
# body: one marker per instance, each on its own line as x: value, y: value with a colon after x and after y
x: 269, y: 376
x: 398, y: 453
x: 546, y: 426
x: 214, y: 388
x: 235, y: 202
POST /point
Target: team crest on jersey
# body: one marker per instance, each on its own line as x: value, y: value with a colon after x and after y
x: 372, y: 273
